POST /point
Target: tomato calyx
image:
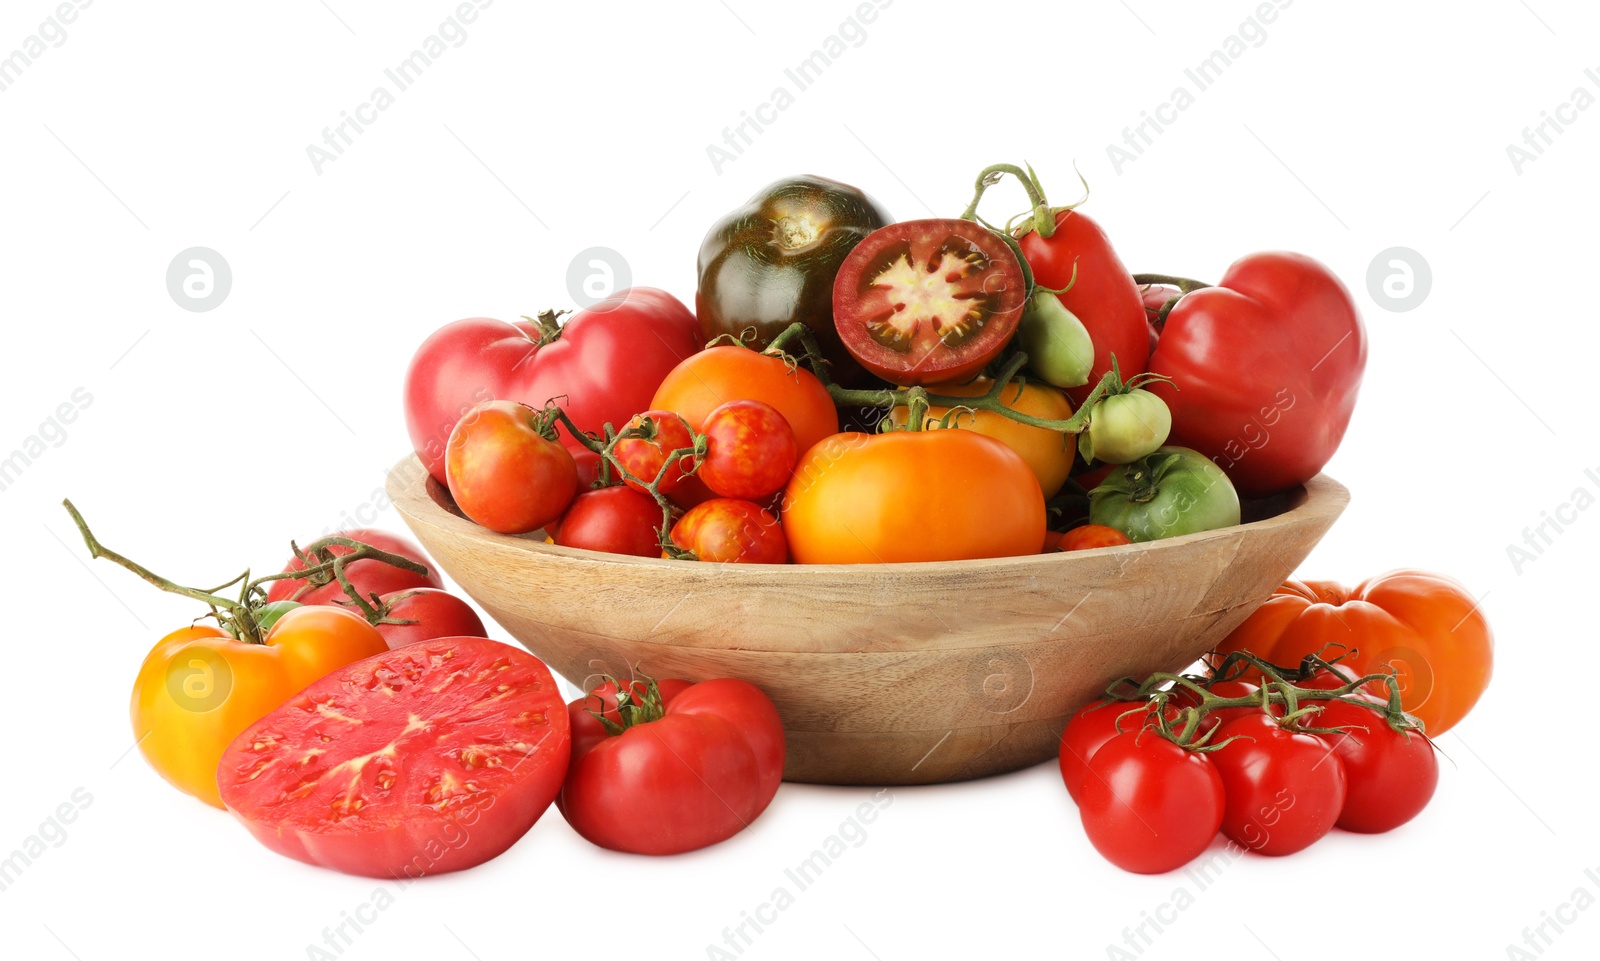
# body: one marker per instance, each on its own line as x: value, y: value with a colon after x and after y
x: 549, y: 326
x: 1040, y: 217
x: 250, y: 616
x: 634, y: 707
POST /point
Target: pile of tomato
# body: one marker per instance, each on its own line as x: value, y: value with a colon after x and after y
x: 850, y: 389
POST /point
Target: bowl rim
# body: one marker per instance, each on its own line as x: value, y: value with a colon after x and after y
x: 411, y: 488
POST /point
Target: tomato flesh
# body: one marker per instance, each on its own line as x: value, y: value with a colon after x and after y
x: 928, y: 301
x: 431, y: 758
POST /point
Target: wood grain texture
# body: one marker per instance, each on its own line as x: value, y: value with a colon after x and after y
x: 886, y: 673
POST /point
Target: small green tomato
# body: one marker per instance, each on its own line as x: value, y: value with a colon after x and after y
x: 1125, y: 427
x: 1059, y: 348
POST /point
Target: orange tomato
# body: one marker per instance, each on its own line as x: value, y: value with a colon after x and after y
x: 199, y: 687
x: 1426, y: 627
x: 931, y: 495
x: 714, y: 377
x: 1048, y: 452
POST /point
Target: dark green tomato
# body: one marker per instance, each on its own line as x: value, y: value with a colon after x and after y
x: 772, y: 262
x: 1170, y: 492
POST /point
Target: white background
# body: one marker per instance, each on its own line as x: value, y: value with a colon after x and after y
x: 212, y: 438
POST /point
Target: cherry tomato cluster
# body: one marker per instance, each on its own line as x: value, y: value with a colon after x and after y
x: 1274, y: 767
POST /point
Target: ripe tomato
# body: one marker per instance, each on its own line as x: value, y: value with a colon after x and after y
x: 1148, y: 805
x: 605, y: 362
x: 368, y: 576
x: 504, y: 473
x: 715, y: 376
x: 431, y: 758
x: 1103, y: 295
x: 1266, y: 367
x: 727, y: 531
x: 1089, y: 729
x: 1087, y: 537
x: 644, y: 457
x: 772, y: 262
x: 617, y: 520
x: 199, y: 687
x: 750, y: 450
x: 1426, y: 627
x: 434, y: 614
x: 1171, y: 492
x: 932, y: 495
x: 928, y: 301
x: 1048, y: 452
x: 1392, y: 776
x: 703, y: 759
x: 1284, y: 788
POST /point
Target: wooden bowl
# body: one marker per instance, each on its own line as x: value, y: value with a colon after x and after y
x: 884, y: 673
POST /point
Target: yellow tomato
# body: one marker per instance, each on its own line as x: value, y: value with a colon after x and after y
x: 199, y: 687
x: 1049, y: 453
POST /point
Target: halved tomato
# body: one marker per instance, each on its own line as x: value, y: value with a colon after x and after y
x: 430, y: 758
x: 928, y: 301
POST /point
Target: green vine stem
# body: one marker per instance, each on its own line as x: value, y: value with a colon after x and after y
x: 238, y: 615
x: 632, y: 708
x: 1184, y: 284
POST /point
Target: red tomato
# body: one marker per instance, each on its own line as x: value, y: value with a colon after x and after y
x: 617, y: 520
x: 1148, y: 805
x: 1088, y: 730
x: 715, y: 376
x: 435, y: 613
x: 604, y: 364
x: 1103, y: 296
x: 694, y: 765
x: 431, y: 758
x: 368, y: 577
x: 644, y: 458
x: 1269, y: 363
x: 1087, y: 537
x: 1284, y: 788
x: 928, y: 301
x: 504, y: 473
x: 1392, y: 775
x: 750, y: 450
x: 727, y: 531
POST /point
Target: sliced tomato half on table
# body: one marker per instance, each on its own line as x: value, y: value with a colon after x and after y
x: 430, y: 758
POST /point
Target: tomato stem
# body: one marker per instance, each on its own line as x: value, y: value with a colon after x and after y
x: 1184, y: 284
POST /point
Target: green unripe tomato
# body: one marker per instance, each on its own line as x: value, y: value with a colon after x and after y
x: 1059, y: 348
x: 268, y: 613
x: 1125, y: 427
x: 1170, y: 492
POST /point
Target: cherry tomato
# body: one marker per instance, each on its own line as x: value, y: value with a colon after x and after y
x: 1087, y: 537
x: 704, y: 760
x: 644, y: 458
x: 928, y: 301
x: 750, y: 450
x: 1392, y: 775
x: 434, y: 613
x: 717, y: 375
x: 617, y: 520
x: 1102, y: 295
x: 368, y: 577
x: 431, y: 758
x: 1148, y: 805
x: 1088, y: 730
x: 931, y: 495
x: 723, y: 530
x: 1284, y: 788
x: 504, y: 473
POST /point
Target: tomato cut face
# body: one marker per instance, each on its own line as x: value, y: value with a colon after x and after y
x: 430, y: 758
x: 928, y: 301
